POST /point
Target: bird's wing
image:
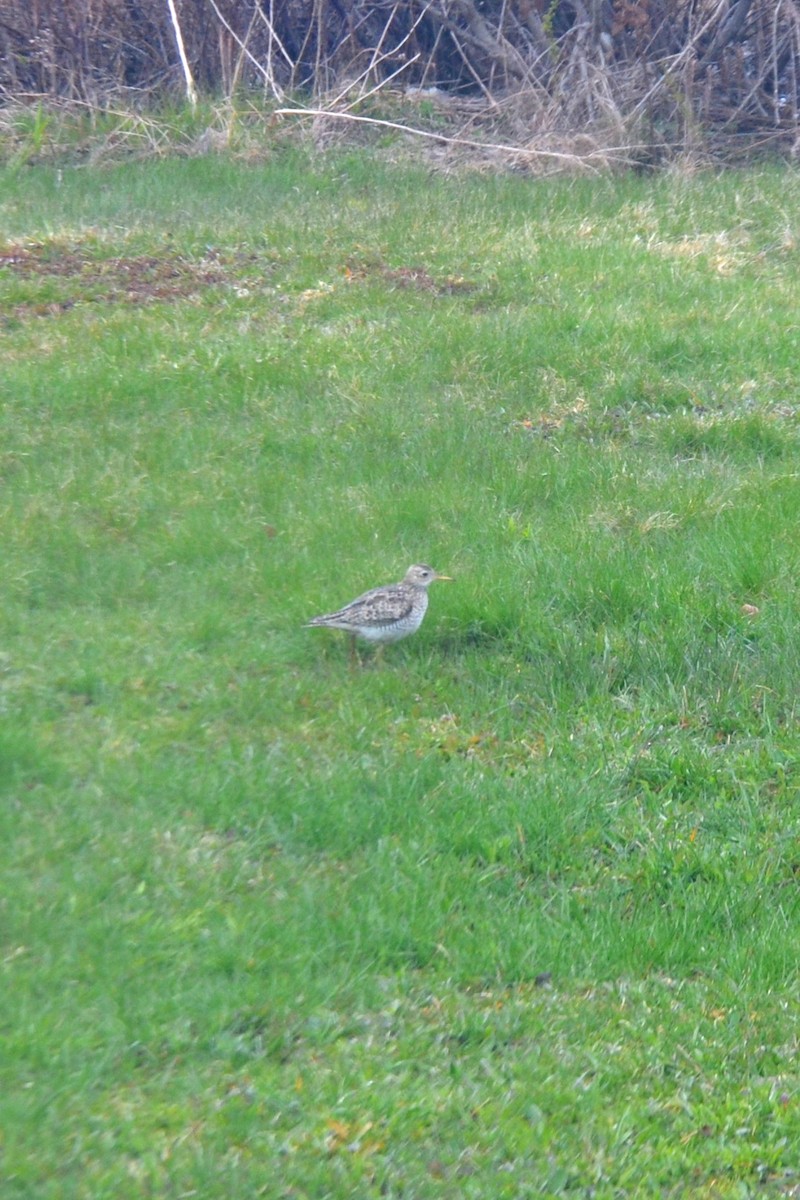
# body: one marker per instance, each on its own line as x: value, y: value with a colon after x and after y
x: 381, y: 606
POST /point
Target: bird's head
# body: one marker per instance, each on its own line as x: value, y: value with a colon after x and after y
x: 421, y: 575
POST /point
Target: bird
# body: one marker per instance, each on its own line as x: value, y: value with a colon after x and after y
x: 384, y: 614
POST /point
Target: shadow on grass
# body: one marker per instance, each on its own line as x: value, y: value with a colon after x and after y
x: 476, y: 635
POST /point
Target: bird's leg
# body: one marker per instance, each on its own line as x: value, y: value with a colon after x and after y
x: 354, y: 659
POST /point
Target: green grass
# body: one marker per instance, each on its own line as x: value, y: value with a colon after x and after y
x: 515, y: 911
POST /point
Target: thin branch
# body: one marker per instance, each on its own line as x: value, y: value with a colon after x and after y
x: 273, y: 35
x: 243, y: 50
x: 378, y: 56
x: 524, y: 151
x: 191, y: 90
x: 362, y: 96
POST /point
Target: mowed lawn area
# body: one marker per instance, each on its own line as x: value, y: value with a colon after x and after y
x: 512, y: 910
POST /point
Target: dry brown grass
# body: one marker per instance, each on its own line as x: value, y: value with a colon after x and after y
x: 603, y: 84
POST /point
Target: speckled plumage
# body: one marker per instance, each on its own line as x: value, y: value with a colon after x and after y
x: 385, y: 614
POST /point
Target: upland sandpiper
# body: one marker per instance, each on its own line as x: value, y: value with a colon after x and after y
x: 384, y: 614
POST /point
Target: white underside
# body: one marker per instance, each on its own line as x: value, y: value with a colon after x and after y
x: 388, y: 633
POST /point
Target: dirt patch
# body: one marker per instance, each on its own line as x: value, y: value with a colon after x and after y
x: 417, y: 278
x: 138, y: 279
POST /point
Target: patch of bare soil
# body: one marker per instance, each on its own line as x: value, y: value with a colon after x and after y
x: 138, y: 279
x: 417, y: 278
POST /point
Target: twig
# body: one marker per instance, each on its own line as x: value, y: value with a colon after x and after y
x: 376, y: 60
x: 191, y: 90
x: 273, y: 36
x: 377, y: 53
x: 457, y: 141
x: 382, y: 84
x: 243, y: 50
x: 679, y: 60
x: 490, y: 100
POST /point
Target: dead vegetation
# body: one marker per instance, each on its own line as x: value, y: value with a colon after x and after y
x: 595, y: 82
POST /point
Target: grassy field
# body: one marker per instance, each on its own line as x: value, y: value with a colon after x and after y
x: 514, y: 912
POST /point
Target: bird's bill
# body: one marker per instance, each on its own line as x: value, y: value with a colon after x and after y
x: 446, y: 578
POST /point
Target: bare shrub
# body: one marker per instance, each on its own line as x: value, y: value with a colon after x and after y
x: 654, y: 77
